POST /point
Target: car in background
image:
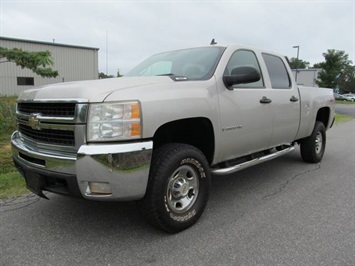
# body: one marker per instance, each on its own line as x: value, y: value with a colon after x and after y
x: 350, y: 95
x: 339, y: 97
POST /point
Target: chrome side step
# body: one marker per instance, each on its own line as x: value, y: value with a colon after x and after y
x: 238, y: 167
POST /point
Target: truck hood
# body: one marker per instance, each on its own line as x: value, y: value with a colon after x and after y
x: 90, y: 90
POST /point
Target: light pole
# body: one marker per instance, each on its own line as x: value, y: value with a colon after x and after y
x: 106, y: 52
x: 298, y: 53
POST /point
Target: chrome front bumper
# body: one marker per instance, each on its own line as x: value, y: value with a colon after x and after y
x: 122, y: 168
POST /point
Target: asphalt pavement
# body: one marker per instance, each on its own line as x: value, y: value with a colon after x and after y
x: 282, y: 212
x: 345, y: 109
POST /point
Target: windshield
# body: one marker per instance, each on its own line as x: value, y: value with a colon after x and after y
x: 194, y: 64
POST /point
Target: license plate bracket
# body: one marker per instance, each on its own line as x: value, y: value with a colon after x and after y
x: 35, y: 183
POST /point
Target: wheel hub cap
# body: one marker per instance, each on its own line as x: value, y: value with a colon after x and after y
x: 182, y: 189
x: 319, y: 143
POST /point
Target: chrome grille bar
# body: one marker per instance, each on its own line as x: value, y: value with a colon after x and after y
x: 52, y: 125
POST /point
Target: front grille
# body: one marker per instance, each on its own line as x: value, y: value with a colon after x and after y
x: 49, y: 136
x: 47, y: 109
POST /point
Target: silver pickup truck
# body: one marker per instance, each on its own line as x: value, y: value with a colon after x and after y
x: 159, y: 133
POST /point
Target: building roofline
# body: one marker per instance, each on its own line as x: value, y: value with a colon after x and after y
x: 47, y: 43
x: 307, y: 69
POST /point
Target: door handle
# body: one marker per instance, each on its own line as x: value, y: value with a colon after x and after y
x: 293, y: 99
x: 265, y: 100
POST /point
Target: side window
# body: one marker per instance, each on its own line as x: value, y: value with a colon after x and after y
x: 277, y: 71
x: 243, y: 58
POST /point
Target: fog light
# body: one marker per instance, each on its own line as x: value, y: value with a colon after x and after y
x: 100, y: 188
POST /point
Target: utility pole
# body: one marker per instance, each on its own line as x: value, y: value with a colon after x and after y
x: 298, y: 53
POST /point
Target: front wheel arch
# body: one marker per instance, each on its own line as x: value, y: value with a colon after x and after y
x: 168, y: 205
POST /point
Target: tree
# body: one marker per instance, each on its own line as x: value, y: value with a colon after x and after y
x: 38, y: 62
x: 297, y: 63
x: 102, y: 75
x: 347, y: 80
x: 336, y: 70
x: 317, y: 65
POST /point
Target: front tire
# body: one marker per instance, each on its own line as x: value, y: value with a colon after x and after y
x: 313, y: 147
x: 178, y: 188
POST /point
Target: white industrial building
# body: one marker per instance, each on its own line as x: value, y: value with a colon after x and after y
x: 72, y: 63
x: 307, y: 77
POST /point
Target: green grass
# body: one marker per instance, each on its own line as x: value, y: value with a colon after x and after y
x: 344, y: 102
x: 11, y: 182
x: 342, y: 118
x: 12, y: 185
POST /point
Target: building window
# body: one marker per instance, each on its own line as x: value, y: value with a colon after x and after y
x: 24, y: 81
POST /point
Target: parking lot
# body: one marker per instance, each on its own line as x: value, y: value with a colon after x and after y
x: 345, y: 109
x: 280, y: 212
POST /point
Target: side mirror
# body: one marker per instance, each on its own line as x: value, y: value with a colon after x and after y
x: 241, y: 75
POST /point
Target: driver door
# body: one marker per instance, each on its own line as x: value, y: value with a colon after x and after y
x: 246, y: 121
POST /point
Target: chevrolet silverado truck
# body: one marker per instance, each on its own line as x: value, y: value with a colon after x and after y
x: 158, y: 134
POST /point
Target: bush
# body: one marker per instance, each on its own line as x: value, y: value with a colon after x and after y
x: 7, y: 115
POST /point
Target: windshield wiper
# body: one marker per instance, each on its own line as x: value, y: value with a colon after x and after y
x: 174, y: 77
x: 167, y: 74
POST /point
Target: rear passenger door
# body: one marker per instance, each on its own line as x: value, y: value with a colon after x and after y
x: 285, y: 101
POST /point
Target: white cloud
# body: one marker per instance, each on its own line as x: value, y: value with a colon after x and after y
x: 137, y: 29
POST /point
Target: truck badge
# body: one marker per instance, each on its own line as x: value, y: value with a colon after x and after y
x: 33, y: 122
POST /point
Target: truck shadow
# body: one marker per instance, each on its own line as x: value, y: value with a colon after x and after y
x: 231, y: 196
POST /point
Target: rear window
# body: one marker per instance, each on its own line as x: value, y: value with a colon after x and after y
x: 277, y: 71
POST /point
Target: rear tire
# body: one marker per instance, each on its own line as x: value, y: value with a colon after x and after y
x: 178, y: 188
x: 313, y: 147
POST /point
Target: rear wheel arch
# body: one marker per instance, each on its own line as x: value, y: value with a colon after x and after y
x: 313, y: 147
x: 323, y: 116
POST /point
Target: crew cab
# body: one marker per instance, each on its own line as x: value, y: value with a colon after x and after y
x: 158, y: 134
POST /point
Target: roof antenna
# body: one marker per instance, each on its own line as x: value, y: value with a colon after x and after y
x: 213, y: 42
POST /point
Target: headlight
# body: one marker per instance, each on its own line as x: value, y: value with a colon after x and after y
x: 114, y: 121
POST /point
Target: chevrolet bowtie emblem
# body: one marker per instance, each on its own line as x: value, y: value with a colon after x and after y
x: 33, y: 122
